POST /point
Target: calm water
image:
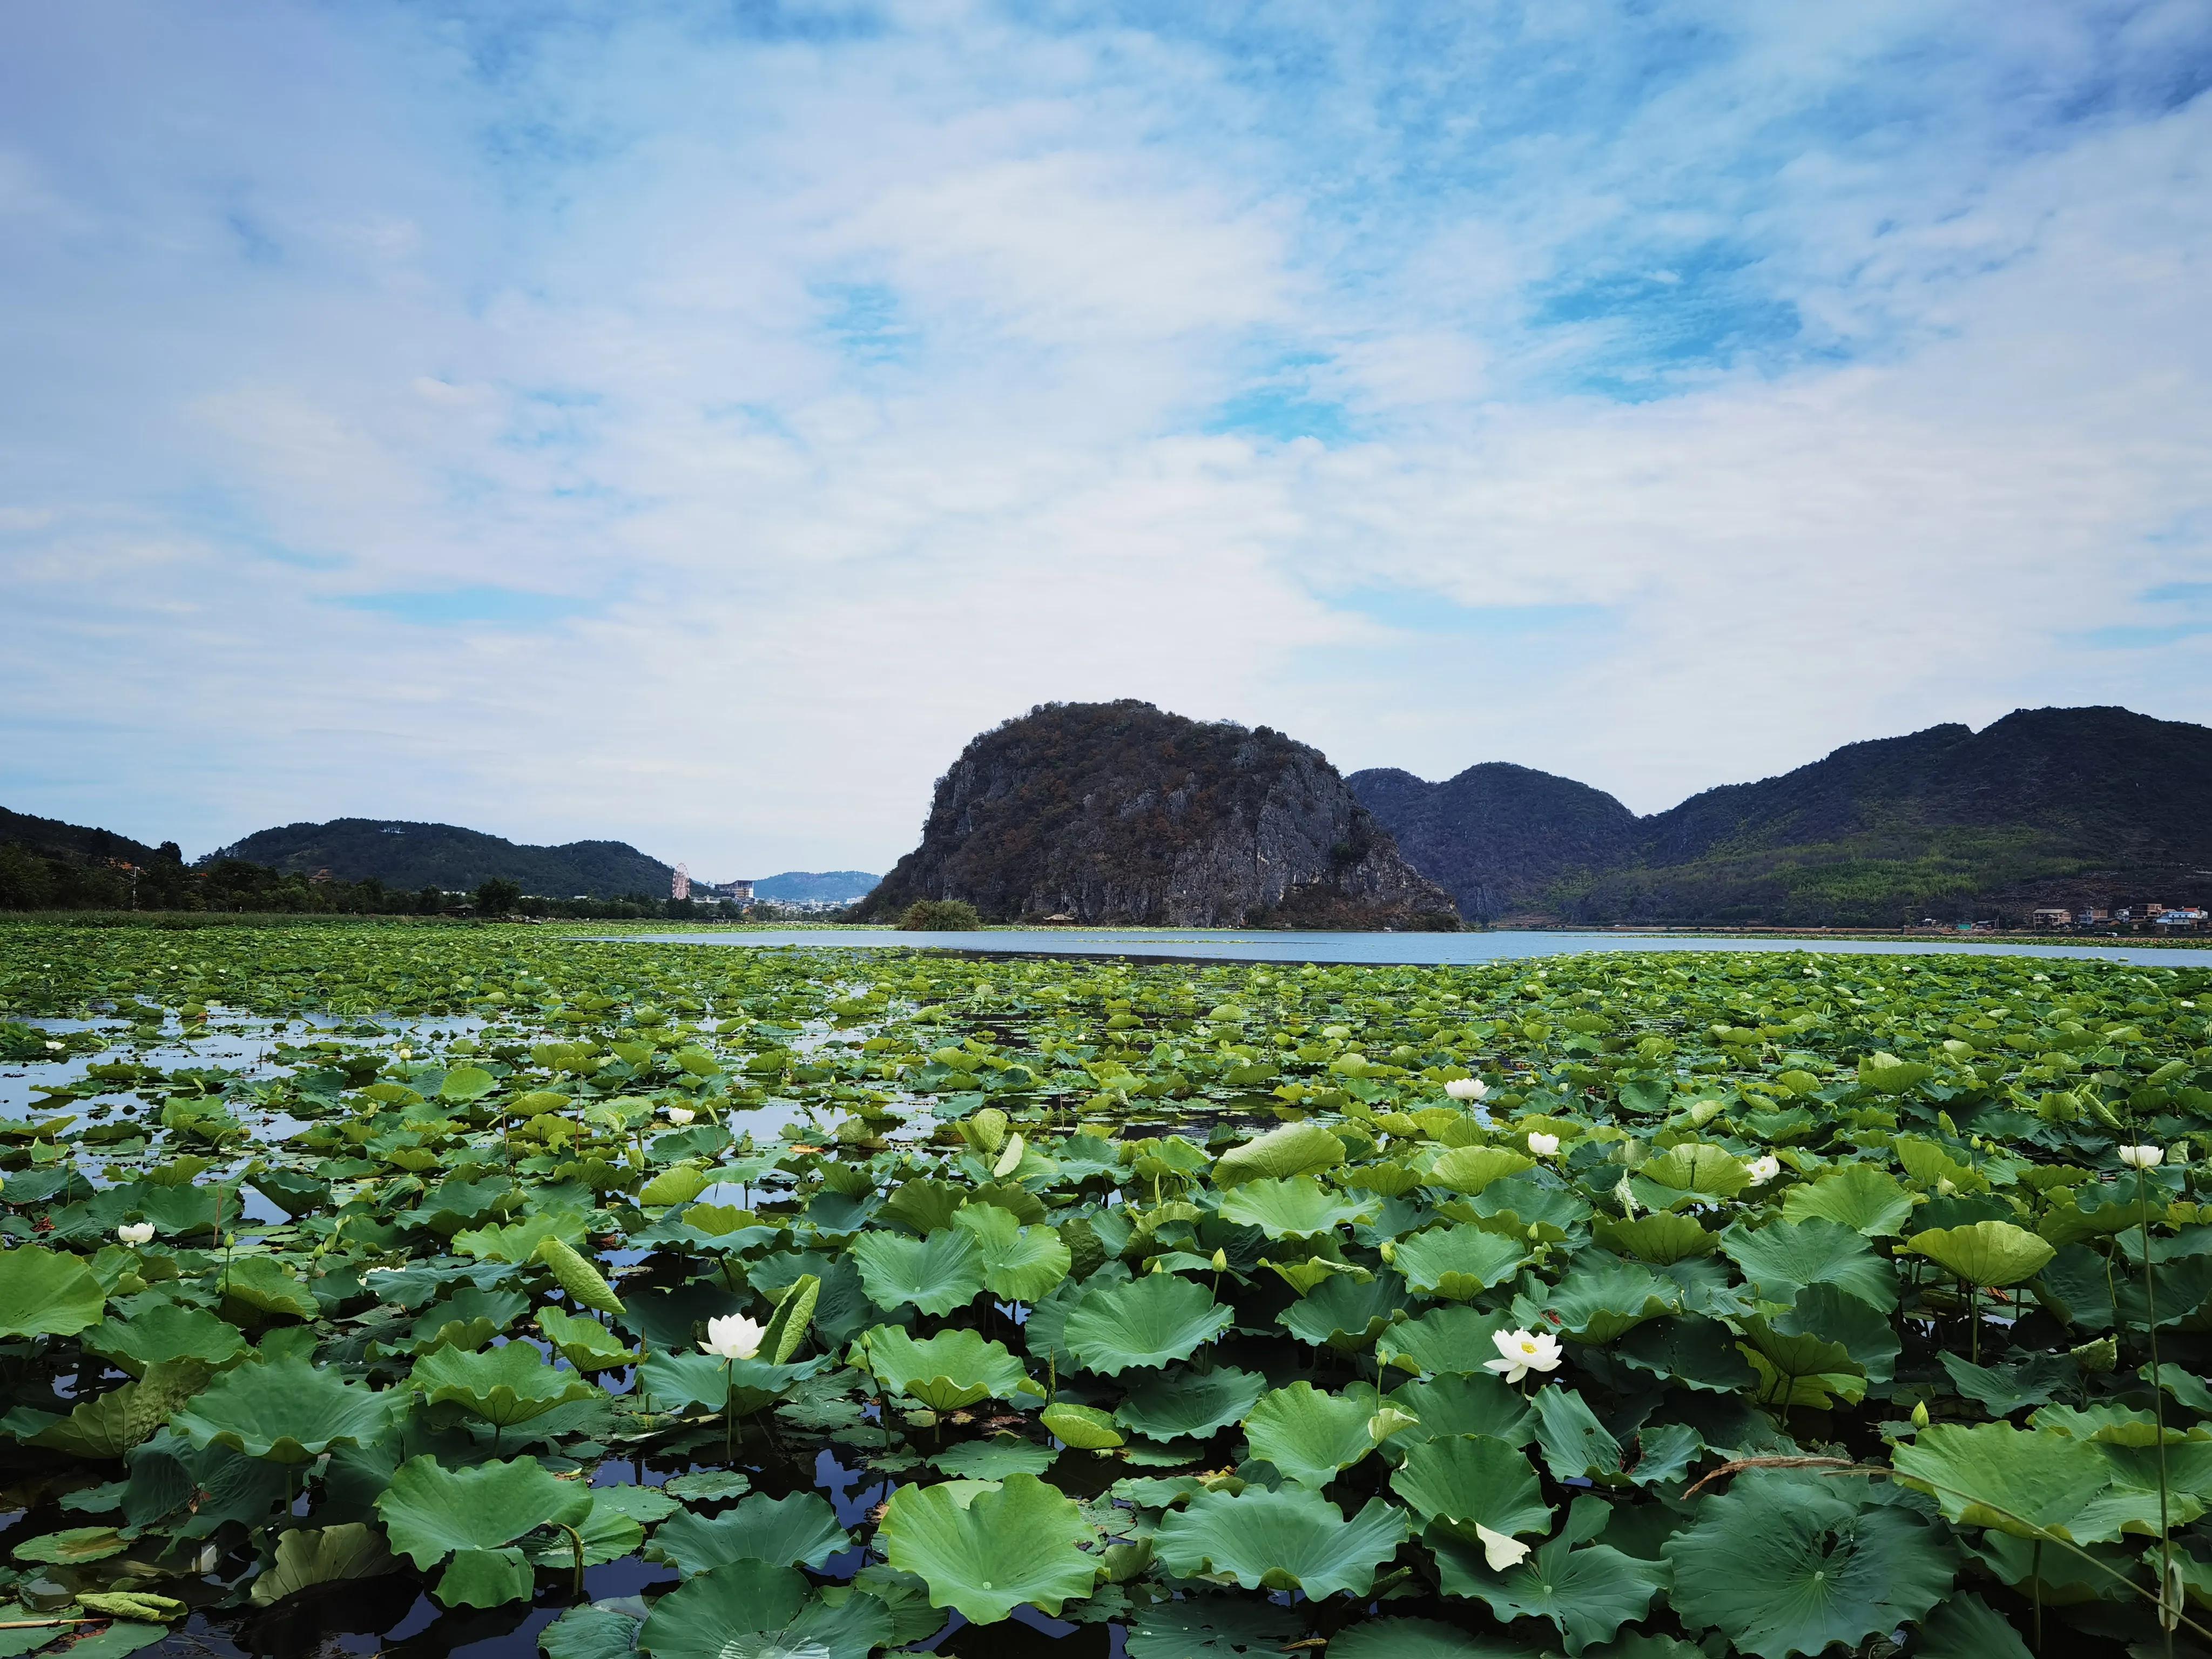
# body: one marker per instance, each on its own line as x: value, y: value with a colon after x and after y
x: 1228, y: 945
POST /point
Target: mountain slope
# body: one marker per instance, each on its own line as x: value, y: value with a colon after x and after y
x: 1118, y: 812
x: 1497, y: 837
x: 815, y: 886
x: 2045, y: 804
x: 71, y: 841
x: 402, y: 855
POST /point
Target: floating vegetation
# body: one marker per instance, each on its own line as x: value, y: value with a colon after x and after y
x: 722, y: 1305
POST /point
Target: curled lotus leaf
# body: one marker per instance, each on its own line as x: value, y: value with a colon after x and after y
x: 933, y: 1274
x: 1311, y: 1435
x: 1175, y: 1405
x: 431, y: 1512
x: 1457, y: 1262
x: 1296, y: 1149
x: 757, y: 1610
x: 800, y: 1529
x: 1987, y: 1254
x: 954, y: 1368
x: 1299, y: 1207
x: 46, y: 1293
x: 504, y: 1386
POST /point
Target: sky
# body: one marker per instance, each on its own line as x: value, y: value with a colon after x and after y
x: 689, y: 424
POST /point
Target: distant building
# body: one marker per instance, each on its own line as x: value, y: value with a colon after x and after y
x: 2087, y: 917
x: 2052, y: 915
x: 2182, y: 918
x: 741, y: 890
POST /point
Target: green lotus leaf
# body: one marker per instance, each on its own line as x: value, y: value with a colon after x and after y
x: 1457, y: 1263
x: 1987, y: 1254
x: 109, y: 1425
x: 1799, y: 1369
x: 167, y: 1331
x: 1174, y: 1405
x: 1695, y: 1168
x: 1144, y: 1324
x: 797, y: 1530
x: 1443, y: 1341
x: 140, y: 1605
x: 985, y: 1552
x: 1660, y: 1239
x: 1481, y: 1403
x: 71, y: 1546
x: 1299, y: 1207
x: 1603, y: 1300
x: 46, y: 1293
x: 468, y: 1319
x: 2015, y: 1480
x: 466, y: 1083
x: 265, y: 1286
x: 1783, y: 1564
x: 431, y: 1512
x: 707, y: 1486
x: 1290, y: 1539
x: 1084, y: 1427
x: 607, y: 1534
x: 485, y: 1579
x: 1463, y: 1481
x: 2001, y: 1390
x: 700, y: 1379
x: 1692, y: 1352
x: 1965, y: 1627
x: 755, y: 1610
x: 1212, y: 1628
x: 1296, y: 1149
x: 1783, y: 1257
x: 584, y: 1343
x: 679, y: 1184
x: 954, y: 1368
x: 1575, y: 1444
x: 307, y: 1557
x: 504, y: 1386
x: 932, y: 1275
x: 1425, y: 1638
x: 1311, y: 1435
x: 1589, y: 1591
x: 1859, y: 1196
x: 1346, y: 1314
x: 1470, y: 1169
x: 1019, y: 1263
x: 579, y: 1278
x: 994, y: 1458
x: 603, y: 1630
x: 285, y: 1410
x: 519, y: 1241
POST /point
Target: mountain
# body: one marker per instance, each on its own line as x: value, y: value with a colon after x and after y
x: 73, y: 842
x: 815, y: 887
x: 2068, y: 805
x: 402, y: 855
x: 1497, y: 837
x: 1118, y: 812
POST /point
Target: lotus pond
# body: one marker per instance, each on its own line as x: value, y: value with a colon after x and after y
x: 410, y: 1289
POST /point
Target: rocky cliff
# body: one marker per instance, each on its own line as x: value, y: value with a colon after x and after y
x: 1118, y: 812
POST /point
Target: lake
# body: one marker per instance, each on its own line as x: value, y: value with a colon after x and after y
x: 1231, y: 944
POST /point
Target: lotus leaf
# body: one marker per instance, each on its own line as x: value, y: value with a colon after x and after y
x: 2016, y: 1480
x: 1346, y: 1314
x: 954, y: 1368
x: 1084, y: 1427
x: 1296, y: 1149
x: 1145, y: 1323
x: 1462, y: 1482
x: 1443, y: 1341
x: 1697, y: 1170
x: 932, y: 1275
x: 797, y: 1530
x: 504, y: 1386
x: 1172, y: 1405
x: 287, y: 1411
x: 1019, y: 1263
x: 754, y: 1610
x: 994, y: 1458
x: 1470, y: 1169
x: 1481, y: 1403
x: 431, y: 1512
x: 1457, y: 1263
x: 1212, y: 1628
x: 1783, y: 1257
x: 1587, y: 1591
x: 603, y: 1630
x: 1291, y: 1539
x: 1299, y: 1207
x: 307, y: 1557
x: 985, y: 1552
x: 266, y: 1286
x: 1783, y: 1564
x: 46, y: 1293
x: 1987, y: 1254
x: 167, y: 1331
x: 1859, y: 1196
x: 1309, y: 1435
x: 584, y: 1343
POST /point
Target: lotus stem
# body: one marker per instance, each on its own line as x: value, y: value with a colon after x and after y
x: 2035, y: 1583
x: 576, y: 1548
x: 2158, y: 1410
x: 729, y: 1411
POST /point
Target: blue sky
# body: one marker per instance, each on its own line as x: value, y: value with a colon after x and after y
x: 689, y: 424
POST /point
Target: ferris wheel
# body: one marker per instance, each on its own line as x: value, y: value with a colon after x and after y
x: 680, y: 887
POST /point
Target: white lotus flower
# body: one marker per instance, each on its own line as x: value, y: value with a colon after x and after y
x: 1499, y: 1551
x: 733, y: 1336
x: 135, y: 1233
x: 1763, y: 1169
x: 1522, y: 1351
x: 1542, y: 1145
x: 678, y: 1116
x: 2142, y: 1158
x: 1467, y: 1088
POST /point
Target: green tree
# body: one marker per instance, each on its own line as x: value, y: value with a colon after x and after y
x: 498, y: 897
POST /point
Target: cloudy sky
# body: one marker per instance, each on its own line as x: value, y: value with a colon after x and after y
x: 689, y: 424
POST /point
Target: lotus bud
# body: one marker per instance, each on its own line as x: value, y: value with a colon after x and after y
x: 1388, y: 1421
x: 2095, y: 1358
x: 1221, y: 1261
x: 1920, y: 1414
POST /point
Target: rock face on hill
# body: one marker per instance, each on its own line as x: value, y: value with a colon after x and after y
x: 1499, y: 836
x: 1118, y: 812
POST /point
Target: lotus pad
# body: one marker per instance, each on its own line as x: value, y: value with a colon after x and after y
x: 954, y: 1368
x: 287, y: 1411
x: 800, y: 1530
x: 1292, y: 1538
x: 985, y: 1553
x: 1145, y: 1323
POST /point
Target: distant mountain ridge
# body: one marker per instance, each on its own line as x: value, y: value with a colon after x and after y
x: 2045, y: 803
x: 73, y: 841
x: 401, y: 854
x: 1120, y: 812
